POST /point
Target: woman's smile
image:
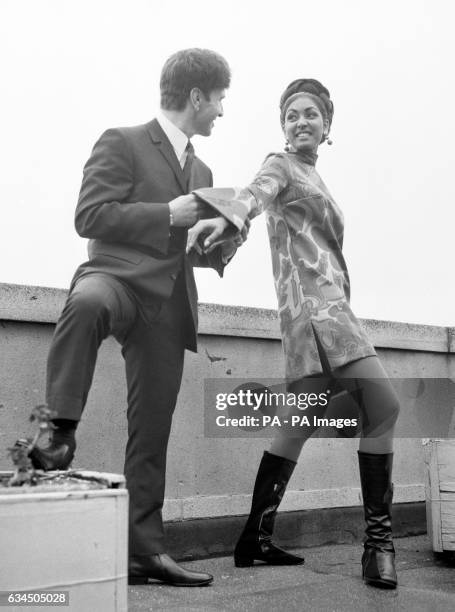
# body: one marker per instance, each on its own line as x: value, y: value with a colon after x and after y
x: 303, y: 125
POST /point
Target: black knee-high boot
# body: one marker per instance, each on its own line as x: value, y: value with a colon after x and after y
x: 255, y: 543
x: 378, y: 560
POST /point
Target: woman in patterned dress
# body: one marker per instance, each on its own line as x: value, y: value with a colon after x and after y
x: 322, y: 339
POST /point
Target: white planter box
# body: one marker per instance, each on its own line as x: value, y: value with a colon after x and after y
x: 440, y: 493
x: 74, y: 540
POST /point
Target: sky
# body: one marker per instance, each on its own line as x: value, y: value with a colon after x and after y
x: 73, y: 68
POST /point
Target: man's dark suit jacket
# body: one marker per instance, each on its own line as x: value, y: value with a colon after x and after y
x: 129, y: 179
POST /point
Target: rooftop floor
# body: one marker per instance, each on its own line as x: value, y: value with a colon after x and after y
x: 329, y: 580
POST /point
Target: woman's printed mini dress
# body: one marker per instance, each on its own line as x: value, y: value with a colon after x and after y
x: 305, y: 229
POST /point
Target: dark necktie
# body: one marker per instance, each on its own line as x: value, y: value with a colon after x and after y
x: 189, y: 162
x: 178, y: 234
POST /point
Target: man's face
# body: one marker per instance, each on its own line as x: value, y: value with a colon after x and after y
x: 209, y: 109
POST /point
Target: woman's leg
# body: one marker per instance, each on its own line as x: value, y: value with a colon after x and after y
x: 366, y: 381
x: 287, y: 446
x: 273, y: 475
x: 255, y: 542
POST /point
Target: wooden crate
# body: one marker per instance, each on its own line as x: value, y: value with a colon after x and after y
x: 73, y: 540
x: 440, y: 493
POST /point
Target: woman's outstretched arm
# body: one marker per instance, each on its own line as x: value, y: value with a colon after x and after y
x: 238, y: 205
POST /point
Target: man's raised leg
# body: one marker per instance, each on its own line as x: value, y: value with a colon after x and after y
x: 95, y: 307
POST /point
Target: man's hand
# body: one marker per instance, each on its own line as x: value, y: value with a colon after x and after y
x: 186, y: 210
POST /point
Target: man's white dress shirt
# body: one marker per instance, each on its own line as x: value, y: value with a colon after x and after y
x: 177, y: 138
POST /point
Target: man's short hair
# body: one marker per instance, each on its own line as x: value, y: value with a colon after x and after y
x: 191, y: 68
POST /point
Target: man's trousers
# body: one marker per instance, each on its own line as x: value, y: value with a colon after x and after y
x: 153, y: 341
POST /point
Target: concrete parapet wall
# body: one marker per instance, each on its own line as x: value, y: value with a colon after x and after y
x: 209, y: 477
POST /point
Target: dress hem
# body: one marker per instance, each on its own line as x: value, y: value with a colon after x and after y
x: 295, y: 377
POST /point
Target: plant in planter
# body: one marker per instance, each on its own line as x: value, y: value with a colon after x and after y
x: 70, y: 526
x: 25, y: 473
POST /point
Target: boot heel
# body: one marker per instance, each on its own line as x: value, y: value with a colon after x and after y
x: 243, y: 561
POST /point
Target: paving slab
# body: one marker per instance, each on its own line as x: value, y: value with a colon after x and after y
x: 328, y: 581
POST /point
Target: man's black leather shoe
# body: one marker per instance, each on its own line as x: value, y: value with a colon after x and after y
x: 54, y: 457
x: 161, y: 567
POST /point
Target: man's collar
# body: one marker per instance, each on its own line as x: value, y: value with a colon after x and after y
x: 176, y: 137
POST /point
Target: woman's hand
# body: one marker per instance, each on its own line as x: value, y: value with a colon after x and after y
x: 205, y: 232
x: 216, y: 231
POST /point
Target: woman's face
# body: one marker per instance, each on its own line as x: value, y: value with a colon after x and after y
x: 303, y: 125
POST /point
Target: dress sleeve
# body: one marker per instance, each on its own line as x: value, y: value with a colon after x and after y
x: 269, y: 182
x: 237, y: 204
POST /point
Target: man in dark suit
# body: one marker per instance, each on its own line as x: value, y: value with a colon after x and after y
x: 138, y: 285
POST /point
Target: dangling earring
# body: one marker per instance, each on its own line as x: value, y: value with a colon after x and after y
x: 286, y: 146
x: 328, y: 140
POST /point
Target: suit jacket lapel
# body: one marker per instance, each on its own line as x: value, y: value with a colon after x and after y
x: 161, y: 141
